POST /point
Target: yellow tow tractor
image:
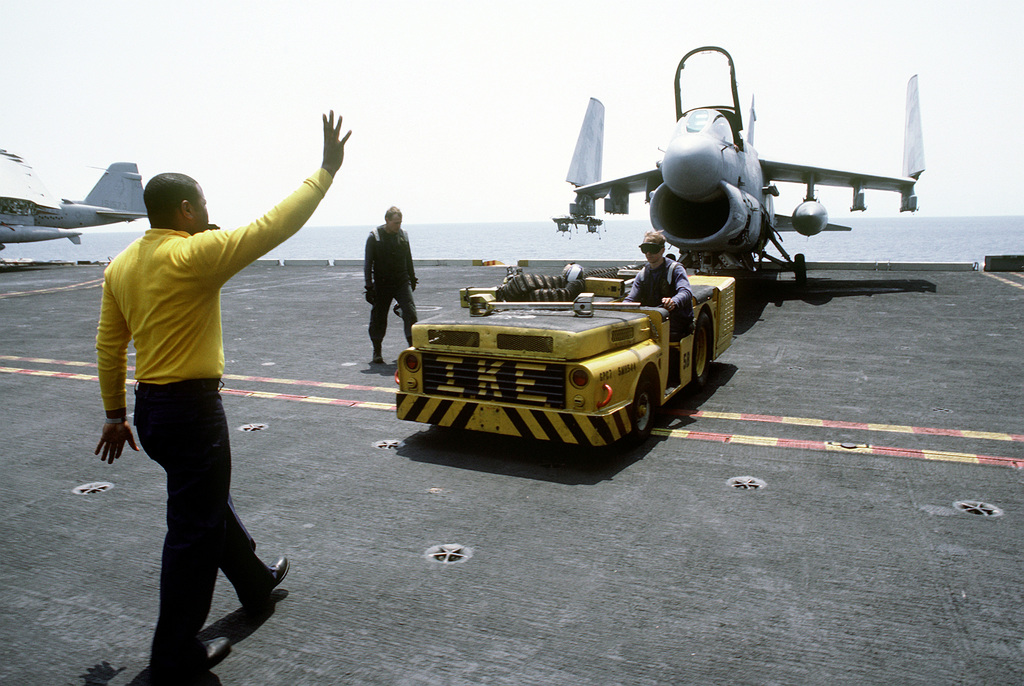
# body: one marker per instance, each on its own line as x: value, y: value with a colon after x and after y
x: 589, y: 372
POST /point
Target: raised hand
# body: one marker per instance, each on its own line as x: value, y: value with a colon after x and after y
x: 334, y: 147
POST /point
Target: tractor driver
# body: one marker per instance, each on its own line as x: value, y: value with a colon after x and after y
x: 663, y: 283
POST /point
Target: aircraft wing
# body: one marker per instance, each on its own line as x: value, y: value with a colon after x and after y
x: 799, y: 173
x: 773, y: 171
x: 632, y: 184
x: 18, y: 181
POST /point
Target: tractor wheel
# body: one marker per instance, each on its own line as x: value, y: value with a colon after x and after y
x: 642, y: 411
x: 703, y: 345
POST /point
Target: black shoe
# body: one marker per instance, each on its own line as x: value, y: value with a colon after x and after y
x: 377, y: 359
x: 280, y: 570
x: 216, y: 650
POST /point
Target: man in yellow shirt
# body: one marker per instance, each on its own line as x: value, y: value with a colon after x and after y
x: 163, y: 291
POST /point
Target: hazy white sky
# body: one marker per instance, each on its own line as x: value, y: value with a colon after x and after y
x: 469, y: 111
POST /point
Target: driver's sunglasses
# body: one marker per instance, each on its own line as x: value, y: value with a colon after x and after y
x: 650, y: 248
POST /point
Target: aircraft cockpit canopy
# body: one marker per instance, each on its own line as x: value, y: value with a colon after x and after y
x: 710, y: 122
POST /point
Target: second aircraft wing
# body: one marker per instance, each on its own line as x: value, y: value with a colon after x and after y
x: 800, y: 173
x: 632, y: 184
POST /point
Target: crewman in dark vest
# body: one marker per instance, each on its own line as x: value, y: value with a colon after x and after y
x: 663, y: 283
x: 389, y: 276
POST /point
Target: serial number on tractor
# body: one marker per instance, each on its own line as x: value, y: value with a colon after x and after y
x: 627, y: 368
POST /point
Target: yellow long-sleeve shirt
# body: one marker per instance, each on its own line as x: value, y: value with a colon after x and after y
x: 163, y: 291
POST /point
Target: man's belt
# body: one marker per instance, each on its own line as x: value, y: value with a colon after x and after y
x: 186, y: 386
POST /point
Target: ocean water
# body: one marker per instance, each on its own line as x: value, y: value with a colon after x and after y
x: 901, y: 239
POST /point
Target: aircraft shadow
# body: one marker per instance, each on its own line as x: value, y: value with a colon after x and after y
x: 755, y: 293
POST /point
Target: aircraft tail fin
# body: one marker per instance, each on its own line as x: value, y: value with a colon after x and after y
x: 120, y: 188
x: 587, y: 159
x: 913, y: 141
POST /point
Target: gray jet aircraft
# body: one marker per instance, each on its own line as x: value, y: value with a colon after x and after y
x: 711, y: 196
x: 29, y: 213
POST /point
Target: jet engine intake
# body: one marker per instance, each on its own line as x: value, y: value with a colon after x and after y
x: 810, y: 218
x: 729, y: 221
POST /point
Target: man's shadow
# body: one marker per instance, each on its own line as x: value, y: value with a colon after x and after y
x: 236, y: 627
x: 386, y: 370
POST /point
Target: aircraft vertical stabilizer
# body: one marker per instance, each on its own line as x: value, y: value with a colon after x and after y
x: 587, y: 159
x: 913, y: 140
x: 120, y: 188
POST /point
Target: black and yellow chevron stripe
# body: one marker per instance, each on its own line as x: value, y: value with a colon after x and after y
x: 549, y: 425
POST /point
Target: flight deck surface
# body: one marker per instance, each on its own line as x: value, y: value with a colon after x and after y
x: 842, y: 504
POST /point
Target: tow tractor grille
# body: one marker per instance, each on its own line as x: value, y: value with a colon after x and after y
x: 509, y: 381
x: 533, y: 344
x: 464, y: 339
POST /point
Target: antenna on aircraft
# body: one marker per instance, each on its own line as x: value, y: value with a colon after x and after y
x: 751, y: 119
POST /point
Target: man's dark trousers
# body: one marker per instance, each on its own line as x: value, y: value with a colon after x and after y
x: 182, y: 426
x: 383, y: 294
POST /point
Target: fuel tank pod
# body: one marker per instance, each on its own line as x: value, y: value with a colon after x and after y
x: 810, y: 218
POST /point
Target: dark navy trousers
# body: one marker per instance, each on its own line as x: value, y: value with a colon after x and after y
x: 182, y: 426
x: 383, y: 295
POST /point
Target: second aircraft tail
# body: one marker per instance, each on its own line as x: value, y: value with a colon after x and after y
x: 120, y: 188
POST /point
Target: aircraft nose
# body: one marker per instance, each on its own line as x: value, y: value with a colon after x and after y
x: 693, y: 167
